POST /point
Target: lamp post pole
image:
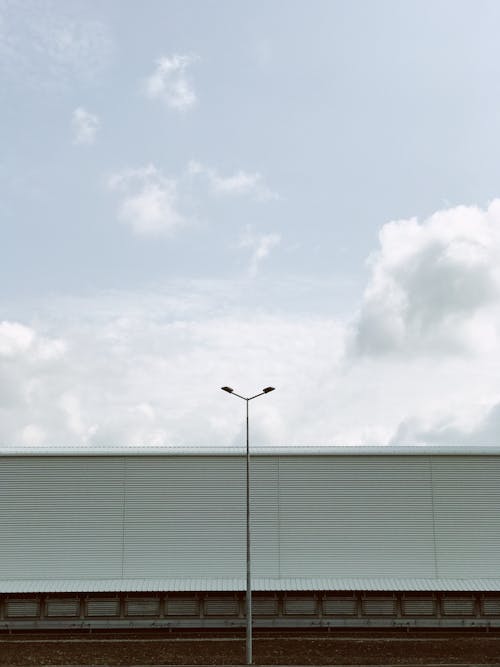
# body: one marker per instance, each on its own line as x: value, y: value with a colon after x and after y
x: 248, y: 598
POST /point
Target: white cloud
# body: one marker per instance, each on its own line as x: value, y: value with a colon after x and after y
x: 170, y: 82
x: 240, y: 183
x: 147, y: 367
x: 32, y: 436
x: 153, y: 204
x: 28, y: 360
x: 149, y: 203
x: 14, y: 338
x: 85, y: 126
x: 431, y: 283
x: 482, y: 429
x: 43, y: 45
x: 260, y: 245
x: 150, y: 371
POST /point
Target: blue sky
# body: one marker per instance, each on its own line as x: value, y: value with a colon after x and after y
x: 203, y: 193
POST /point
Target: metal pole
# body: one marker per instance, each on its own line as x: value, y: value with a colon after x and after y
x: 248, y: 599
x: 249, y: 580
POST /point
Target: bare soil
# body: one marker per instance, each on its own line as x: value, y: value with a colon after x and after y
x: 289, y: 648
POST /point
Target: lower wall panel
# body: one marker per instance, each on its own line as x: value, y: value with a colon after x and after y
x: 227, y: 610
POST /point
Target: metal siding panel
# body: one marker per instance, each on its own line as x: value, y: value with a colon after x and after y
x: 467, y: 509
x: 102, y: 607
x: 491, y: 606
x: 63, y: 607
x: 264, y: 605
x: 335, y: 523
x: 61, y: 517
x: 221, y: 605
x: 458, y: 606
x: 264, y: 516
x: 142, y: 606
x: 23, y: 608
x: 379, y: 606
x: 182, y: 605
x: 356, y: 517
x: 338, y: 605
x: 299, y: 605
x: 190, y: 512
x: 418, y: 606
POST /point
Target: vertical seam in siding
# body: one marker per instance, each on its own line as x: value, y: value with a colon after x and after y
x: 436, y: 567
x: 124, y: 501
x: 279, y: 518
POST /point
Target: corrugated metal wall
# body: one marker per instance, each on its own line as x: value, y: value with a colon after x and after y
x: 467, y: 515
x: 61, y: 517
x: 356, y: 516
x: 157, y: 517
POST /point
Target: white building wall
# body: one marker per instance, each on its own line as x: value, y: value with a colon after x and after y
x: 151, y: 517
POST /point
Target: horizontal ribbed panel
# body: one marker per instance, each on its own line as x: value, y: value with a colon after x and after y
x: 421, y: 606
x: 177, y: 523
x: 22, y: 608
x: 61, y: 517
x: 379, y: 606
x: 224, y: 605
x: 102, y: 607
x: 63, y: 608
x: 456, y: 606
x: 335, y: 605
x: 300, y: 605
x: 142, y: 607
x: 352, y: 515
x: 491, y: 606
x: 467, y: 515
x: 182, y: 606
x: 264, y: 605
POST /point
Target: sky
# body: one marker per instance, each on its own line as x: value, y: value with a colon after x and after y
x: 302, y: 194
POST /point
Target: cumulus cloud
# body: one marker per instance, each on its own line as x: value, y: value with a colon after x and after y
x: 170, y: 82
x: 85, y: 126
x: 431, y: 282
x: 240, y: 183
x: 43, y: 45
x: 260, y: 246
x: 149, y: 201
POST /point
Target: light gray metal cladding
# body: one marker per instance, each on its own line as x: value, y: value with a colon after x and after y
x: 356, y: 515
x: 183, y: 515
x: 259, y: 584
x: 350, y: 521
x: 60, y: 517
x: 466, y: 500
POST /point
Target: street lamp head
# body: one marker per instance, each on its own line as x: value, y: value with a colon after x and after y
x: 228, y: 389
x: 268, y: 389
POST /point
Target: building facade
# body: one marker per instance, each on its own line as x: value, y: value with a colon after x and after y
x: 340, y: 536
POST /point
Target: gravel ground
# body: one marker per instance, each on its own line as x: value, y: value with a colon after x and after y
x: 278, y: 649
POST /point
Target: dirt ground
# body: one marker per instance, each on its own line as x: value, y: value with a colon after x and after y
x: 279, y: 649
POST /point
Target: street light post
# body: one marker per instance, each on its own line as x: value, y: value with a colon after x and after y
x: 248, y: 598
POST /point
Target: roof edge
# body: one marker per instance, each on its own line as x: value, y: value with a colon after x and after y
x: 402, y: 584
x: 268, y: 450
